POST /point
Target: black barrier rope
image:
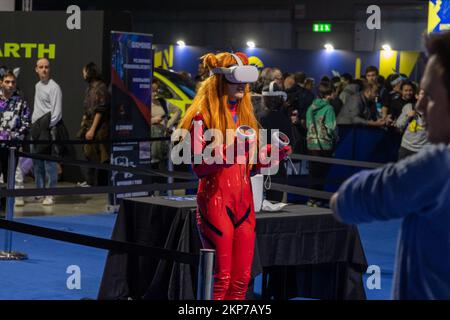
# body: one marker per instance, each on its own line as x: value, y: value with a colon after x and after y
x: 352, y: 163
x: 185, y: 175
x: 107, y: 141
x: 301, y: 191
x: 101, y: 243
x: 168, y: 174
x: 110, y: 167
x: 308, y: 180
x: 97, y: 190
x: 344, y: 162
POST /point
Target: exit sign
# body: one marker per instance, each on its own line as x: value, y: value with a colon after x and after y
x: 322, y: 27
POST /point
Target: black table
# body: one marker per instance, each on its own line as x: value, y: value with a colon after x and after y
x: 301, y: 251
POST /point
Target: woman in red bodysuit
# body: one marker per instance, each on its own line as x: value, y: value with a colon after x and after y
x: 225, y: 213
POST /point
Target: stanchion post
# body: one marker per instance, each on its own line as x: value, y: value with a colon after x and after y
x: 205, y: 274
x: 170, y: 169
x: 8, y: 254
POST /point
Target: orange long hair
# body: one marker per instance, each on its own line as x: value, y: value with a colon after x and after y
x: 212, y: 99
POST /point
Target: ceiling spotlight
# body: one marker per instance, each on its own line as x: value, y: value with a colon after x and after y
x: 387, y: 51
x: 251, y: 44
x: 386, y: 47
x: 329, y: 47
x: 181, y: 43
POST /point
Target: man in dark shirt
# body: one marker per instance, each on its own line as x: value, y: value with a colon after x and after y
x: 298, y: 101
x: 275, y: 117
x: 359, y: 109
x: 395, y: 82
x: 299, y: 98
x: 407, y: 92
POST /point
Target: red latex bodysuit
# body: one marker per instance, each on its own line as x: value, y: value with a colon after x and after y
x: 226, y: 220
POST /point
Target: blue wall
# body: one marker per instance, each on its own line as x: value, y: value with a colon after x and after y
x: 315, y: 63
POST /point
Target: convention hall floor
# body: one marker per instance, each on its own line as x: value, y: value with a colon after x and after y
x: 64, y: 205
x: 44, y: 274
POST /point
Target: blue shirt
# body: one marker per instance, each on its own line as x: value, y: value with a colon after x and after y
x: 418, y: 190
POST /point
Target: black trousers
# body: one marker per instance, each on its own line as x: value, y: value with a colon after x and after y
x: 4, y: 162
x: 96, y: 177
x: 318, y: 171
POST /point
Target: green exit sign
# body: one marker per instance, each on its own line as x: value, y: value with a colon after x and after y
x: 322, y: 27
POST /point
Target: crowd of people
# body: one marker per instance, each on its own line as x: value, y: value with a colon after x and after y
x: 371, y: 101
x: 312, y: 115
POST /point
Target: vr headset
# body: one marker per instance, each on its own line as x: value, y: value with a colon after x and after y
x: 272, y: 93
x: 238, y: 74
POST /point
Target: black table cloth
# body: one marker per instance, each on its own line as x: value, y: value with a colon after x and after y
x: 301, y: 251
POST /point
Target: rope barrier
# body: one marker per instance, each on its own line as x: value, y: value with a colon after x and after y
x: 100, y: 243
x: 302, y: 191
x: 97, y: 190
x: 148, y: 187
x: 75, y: 142
x: 167, y: 174
x: 110, y: 167
x: 184, y: 175
x: 308, y: 180
x: 344, y: 162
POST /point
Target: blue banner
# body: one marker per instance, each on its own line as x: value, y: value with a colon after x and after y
x: 131, y: 78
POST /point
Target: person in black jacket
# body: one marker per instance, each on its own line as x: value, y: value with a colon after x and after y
x: 275, y: 116
x: 360, y: 108
x: 95, y: 124
x: 298, y: 98
x: 298, y: 101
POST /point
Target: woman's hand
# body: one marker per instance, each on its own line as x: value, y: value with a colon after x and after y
x: 287, y: 150
x: 89, y: 135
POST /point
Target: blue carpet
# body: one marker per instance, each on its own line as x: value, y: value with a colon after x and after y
x: 43, y: 275
x: 379, y: 241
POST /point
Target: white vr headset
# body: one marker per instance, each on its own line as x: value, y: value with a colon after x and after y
x: 272, y: 93
x: 238, y: 74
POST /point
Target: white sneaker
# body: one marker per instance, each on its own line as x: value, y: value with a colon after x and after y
x: 83, y: 184
x: 48, y: 201
x: 19, y: 202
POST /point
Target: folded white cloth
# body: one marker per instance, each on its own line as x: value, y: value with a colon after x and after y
x: 272, y: 207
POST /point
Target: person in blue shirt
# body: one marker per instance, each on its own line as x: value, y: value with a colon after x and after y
x: 416, y: 189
